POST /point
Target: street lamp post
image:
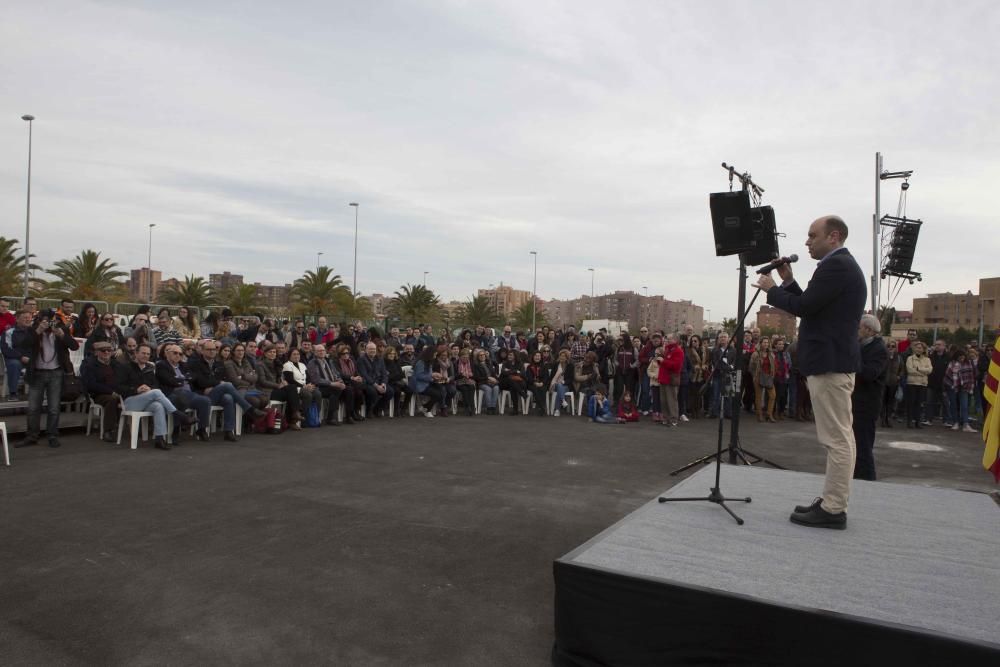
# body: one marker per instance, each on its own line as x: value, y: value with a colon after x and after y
x: 645, y: 306
x: 425, y: 278
x: 149, y: 264
x: 591, y: 293
x: 27, y: 216
x: 318, y: 255
x: 354, y: 280
x: 534, y: 292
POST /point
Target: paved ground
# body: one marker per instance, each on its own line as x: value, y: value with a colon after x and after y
x: 412, y: 541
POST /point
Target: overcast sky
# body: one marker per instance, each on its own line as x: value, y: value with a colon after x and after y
x: 474, y: 132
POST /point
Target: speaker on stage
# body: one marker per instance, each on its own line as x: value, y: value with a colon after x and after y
x: 765, y: 237
x: 902, y: 248
x: 731, y: 222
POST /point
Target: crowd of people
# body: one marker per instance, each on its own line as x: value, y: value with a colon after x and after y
x: 170, y: 364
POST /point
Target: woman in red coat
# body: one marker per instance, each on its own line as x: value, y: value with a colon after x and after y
x: 670, y: 379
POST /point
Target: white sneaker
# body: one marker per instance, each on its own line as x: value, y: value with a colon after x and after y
x: 555, y: 414
x: 969, y: 429
x: 955, y: 427
x: 684, y: 418
x: 429, y: 415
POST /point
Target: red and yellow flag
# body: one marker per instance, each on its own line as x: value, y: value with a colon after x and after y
x: 991, y: 423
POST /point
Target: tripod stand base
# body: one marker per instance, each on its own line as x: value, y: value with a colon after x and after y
x: 745, y: 456
x: 714, y: 496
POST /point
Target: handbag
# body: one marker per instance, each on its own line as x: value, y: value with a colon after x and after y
x: 268, y: 422
x: 72, y: 388
x: 312, y: 416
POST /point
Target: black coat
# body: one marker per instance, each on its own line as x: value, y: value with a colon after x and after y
x: 830, y: 308
x: 203, y: 377
x: 869, y: 381
x: 167, y: 378
x: 131, y: 377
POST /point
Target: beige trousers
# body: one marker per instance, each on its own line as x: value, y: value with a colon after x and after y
x: 831, y: 401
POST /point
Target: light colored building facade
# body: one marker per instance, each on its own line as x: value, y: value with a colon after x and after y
x: 654, y: 312
x: 505, y: 299
x: 144, y: 284
x: 945, y: 310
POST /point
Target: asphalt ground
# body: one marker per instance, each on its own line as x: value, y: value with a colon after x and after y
x: 395, y: 542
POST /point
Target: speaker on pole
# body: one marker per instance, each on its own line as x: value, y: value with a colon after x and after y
x: 731, y: 222
x: 765, y: 237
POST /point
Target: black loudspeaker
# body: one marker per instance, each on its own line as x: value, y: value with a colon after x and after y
x: 902, y: 248
x: 731, y: 222
x: 765, y: 237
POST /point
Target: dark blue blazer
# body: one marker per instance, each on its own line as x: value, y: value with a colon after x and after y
x: 830, y: 307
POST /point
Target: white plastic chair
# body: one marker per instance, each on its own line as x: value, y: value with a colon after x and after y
x: 478, y: 398
x: 136, y: 419
x: 95, y: 410
x: 526, y: 402
x: 505, y: 399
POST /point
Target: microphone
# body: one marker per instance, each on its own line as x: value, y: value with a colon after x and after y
x: 781, y: 261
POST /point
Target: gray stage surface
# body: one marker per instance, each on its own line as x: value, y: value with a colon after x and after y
x: 911, y: 555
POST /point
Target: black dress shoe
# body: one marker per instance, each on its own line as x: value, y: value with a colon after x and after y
x: 202, y: 435
x: 331, y: 422
x: 817, y: 517
x: 109, y: 436
x: 258, y: 413
x: 54, y: 442
x: 161, y: 443
x: 27, y: 442
x: 358, y: 418
x: 230, y: 436
x: 802, y: 509
x: 348, y: 419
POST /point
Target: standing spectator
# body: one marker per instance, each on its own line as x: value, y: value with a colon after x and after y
x: 762, y: 368
x: 653, y: 373
x: 7, y: 319
x: 960, y: 382
x: 17, y: 347
x: 85, y: 325
x: 48, y: 345
x: 720, y: 368
x: 866, y: 400
x: 99, y: 375
x: 918, y: 369
x: 185, y: 324
x: 669, y: 376
x: 894, y: 369
x: 937, y: 395
x: 698, y: 365
x: 782, y: 369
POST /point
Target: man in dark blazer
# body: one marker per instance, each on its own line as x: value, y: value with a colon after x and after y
x: 830, y: 309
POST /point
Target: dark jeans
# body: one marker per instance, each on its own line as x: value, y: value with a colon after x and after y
x: 781, y: 397
x: 225, y: 395
x: 938, y: 404
x: 111, y: 405
x: 437, y: 393
x: 376, y: 401
x: 538, y: 395
x: 468, y: 392
x: 864, y: 437
x: 185, y: 399
x: 290, y: 397
x: 333, y: 395
x: 915, y: 395
x: 888, y: 404
x: 13, y: 375
x: 46, y: 383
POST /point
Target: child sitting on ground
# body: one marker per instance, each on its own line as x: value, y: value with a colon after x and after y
x: 627, y: 412
x: 599, y: 408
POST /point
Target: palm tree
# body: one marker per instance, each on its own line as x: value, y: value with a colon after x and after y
x: 415, y: 304
x: 12, y: 267
x: 886, y: 316
x: 241, y: 299
x: 358, y: 308
x: 479, y: 311
x: 85, y: 277
x: 522, y: 317
x: 729, y: 325
x: 192, y: 291
x: 320, y: 291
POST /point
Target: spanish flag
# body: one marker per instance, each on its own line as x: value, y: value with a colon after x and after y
x: 991, y: 424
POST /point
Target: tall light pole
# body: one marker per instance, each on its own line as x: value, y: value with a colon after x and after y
x: 534, y: 292
x: 149, y: 264
x: 27, y: 216
x: 354, y: 280
x: 318, y: 255
x: 645, y: 306
x: 591, y: 293
x: 425, y: 278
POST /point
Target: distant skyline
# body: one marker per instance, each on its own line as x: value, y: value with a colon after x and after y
x: 474, y: 133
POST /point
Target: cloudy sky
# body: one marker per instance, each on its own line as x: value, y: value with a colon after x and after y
x: 474, y: 132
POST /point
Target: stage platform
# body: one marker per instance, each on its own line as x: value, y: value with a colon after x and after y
x: 914, y: 580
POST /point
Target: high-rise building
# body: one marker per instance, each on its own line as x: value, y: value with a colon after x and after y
x: 777, y: 320
x: 273, y: 297
x: 505, y: 299
x: 654, y: 312
x: 220, y: 282
x: 945, y: 310
x: 144, y: 284
x: 380, y: 304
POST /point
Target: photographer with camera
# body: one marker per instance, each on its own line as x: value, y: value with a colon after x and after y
x: 48, y: 349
